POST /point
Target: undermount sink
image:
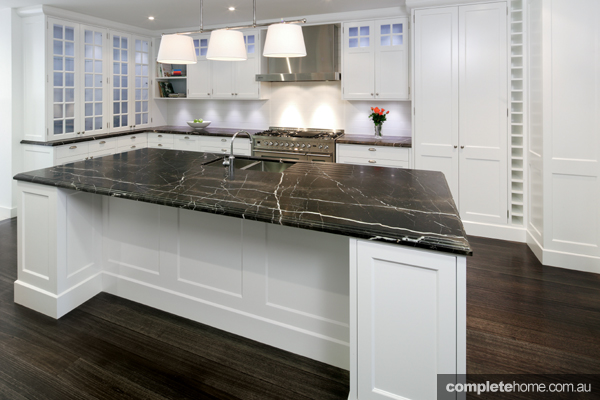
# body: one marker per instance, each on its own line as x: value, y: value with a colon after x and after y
x: 248, y: 164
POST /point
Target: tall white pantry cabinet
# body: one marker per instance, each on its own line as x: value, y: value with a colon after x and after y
x: 461, y: 106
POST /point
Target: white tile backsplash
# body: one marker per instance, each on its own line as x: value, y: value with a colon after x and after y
x: 301, y: 104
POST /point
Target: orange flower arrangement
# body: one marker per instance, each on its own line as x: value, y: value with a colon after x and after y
x: 378, y: 116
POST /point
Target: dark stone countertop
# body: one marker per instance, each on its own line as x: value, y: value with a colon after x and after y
x: 400, y: 206
x: 372, y: 140
x: 177, y: 130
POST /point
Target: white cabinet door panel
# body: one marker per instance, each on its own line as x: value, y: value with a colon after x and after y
x: 222, y: 79
x: 246, y: 86
x: 391, y: 59
x: 436, y: 92
x: 359, y: 61
x: 199, y: 79
x: 483, y: 116
x: 400, y: 357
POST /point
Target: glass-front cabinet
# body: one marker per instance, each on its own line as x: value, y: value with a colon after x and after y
x: 98, y: 81
x: 375, y: 60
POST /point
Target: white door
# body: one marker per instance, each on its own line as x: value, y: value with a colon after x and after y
x: 246, y: 86
x: 358, y: 75
x: 391, y: 59
x: 199, y: 78
x: 436, y: 92
x: 407, y: 310
x: 483, y: 115
x: 141, y: 84
x: 119, y: 94
x: 64, y: 79
x: 222, y: 79
x: 95, y: 113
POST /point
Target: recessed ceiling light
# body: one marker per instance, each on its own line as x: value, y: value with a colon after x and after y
x: 151, y: 18
x: 231, y: 8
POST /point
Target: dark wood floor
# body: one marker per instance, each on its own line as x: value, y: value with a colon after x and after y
x: 522, y: 318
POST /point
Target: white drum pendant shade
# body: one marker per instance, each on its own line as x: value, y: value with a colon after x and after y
x: 177, y: 49
x: 284, y: 40
x: 226, y: 45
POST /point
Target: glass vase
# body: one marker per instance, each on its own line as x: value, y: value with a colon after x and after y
x: 378, y: 130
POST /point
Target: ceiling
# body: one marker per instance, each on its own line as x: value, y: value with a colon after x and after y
x: 177, y: 14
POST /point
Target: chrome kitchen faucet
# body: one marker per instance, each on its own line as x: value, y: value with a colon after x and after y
x: 229, y: 160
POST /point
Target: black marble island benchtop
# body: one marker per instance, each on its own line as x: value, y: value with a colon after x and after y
x: 401, y: 206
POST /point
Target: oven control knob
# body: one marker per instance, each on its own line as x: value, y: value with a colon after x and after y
x: 276, y: 144
x: 287, y: 144
x: 308, y: 146
x: 320, y: 146
x: 303, y: 145
x: 326, y: 147
x: 270, y: 143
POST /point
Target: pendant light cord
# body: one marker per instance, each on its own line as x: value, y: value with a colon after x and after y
x: 201, y: 16
x: 254, y: 12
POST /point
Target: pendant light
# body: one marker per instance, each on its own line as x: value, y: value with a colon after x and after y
x: 284, y: 40
x: 176, y: 49
x: 226, y: 45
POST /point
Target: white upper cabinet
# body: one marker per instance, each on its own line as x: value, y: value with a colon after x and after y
x: 199, y: 79
x: 95, y: 115
x: 375, y: 64
x: 64, y: 83
x: 120, y: 92
x: 231, y: 80
x: 141, y: 84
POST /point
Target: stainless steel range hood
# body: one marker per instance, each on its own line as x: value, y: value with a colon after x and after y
x: 322, y: 61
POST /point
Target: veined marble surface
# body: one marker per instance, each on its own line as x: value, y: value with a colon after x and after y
x: 393, y: 205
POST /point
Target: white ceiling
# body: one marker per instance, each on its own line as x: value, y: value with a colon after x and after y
x: 176, y: 14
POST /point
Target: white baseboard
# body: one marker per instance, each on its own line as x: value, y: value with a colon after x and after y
x: 56, y: 306
x: 6, y: 213
x: 560, y: 259
x: 270, y: 332
x: 502, y: 232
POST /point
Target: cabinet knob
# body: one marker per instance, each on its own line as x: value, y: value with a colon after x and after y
x: 373, y: 161
x: 372, y: 149
x: 72, y: 147
x: 103, y: 142
x: 92, y: 157
x: 186, y: 137
x: 82, y: 133
x: 371, y: 94
x: 462, y: 147
x: 159, y: 135
x: 224, y: 150
x: 233, y: 94
x: 133, y: 137
x: 223, y: 140
x: 133, y: 147
x: 208, y: 94
x: 455, y: 147
x: 160, y: 145
x: 376, y: 94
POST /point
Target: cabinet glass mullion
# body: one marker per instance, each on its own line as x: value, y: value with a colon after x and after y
x: 93, y: 61
x: 120, y: 77
x: 63, y: 78
x: 142, y: 78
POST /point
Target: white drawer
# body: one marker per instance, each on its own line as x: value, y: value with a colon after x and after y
x: 373, y: 162
x: 215, y: 141
x: 72, y: 150
x: 188, y: 143
x: 237, y: 150
x: 374, y: 152
x: 103, y: 145
x: 102, y: 153
x: 160, y: 145
x: 160, y: 138
x: 122, y: 149
x: 131, y: 140
x: 71, y: 159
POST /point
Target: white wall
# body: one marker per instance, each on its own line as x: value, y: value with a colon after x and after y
x: 10, y: 56
x: 302, y: 104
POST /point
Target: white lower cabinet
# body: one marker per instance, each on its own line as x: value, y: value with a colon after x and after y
x: 160, y: 141
x: 411, y: 321
x: 187, y: 143
x: 381, y: 156
x: 221, y: 145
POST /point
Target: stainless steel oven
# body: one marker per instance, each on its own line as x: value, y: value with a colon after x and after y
x: 294, y: 144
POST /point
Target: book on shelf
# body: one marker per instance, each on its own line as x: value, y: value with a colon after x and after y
x: 166, y: 89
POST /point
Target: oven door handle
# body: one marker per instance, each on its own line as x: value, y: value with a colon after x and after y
x: 319, y: 155
x: 279, y: 152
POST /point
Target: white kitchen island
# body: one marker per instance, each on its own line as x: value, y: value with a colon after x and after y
x: 261, y: 259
